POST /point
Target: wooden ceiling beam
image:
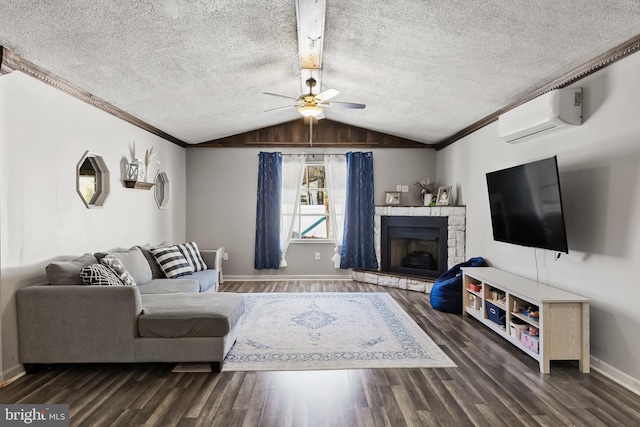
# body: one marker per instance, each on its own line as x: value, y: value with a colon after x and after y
x: 326, y: 133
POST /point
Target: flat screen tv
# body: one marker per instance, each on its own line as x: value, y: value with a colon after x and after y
x: 526, y: 205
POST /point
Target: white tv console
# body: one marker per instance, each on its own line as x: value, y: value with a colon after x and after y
x: 563, y: 317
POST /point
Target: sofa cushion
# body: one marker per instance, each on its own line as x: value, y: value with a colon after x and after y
x: 156, y: 271
x: 99, y: 275
x: 67, y: 272
x: 133, y: 261
x: 192, y: 255
x: 208, y: 280
x: 114, y: 263
x: 170, y: 286
x: 189, y: 315
x: 172, y: 262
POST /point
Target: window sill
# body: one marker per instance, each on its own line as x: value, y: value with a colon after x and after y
x: 308, y: 241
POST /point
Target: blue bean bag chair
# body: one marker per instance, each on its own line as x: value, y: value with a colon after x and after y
x: 446, y: 294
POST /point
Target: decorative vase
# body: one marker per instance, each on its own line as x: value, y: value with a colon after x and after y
x: 426, y: 198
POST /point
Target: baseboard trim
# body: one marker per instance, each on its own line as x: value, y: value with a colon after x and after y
x: 13, y: 374
x: 273, y: 278
x: 627, y: 381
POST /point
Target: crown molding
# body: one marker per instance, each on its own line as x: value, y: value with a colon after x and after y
x: 10, y: 61
x: 327, y: 133
x: 602, y: 61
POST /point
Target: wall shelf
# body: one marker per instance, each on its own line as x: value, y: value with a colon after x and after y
x: 140, y: 185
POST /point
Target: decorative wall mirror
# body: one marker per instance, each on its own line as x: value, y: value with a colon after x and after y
x: 92, y: 180
x: 163, y: 190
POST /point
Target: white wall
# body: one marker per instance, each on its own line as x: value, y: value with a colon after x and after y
x: 599, y: 166
x: 221, y: 204
x: 43, y: 134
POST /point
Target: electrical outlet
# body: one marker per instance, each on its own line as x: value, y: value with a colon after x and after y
x: 405, y: 188
x: 225, y: 256
x: 317, y: 256
x: 399, y: 187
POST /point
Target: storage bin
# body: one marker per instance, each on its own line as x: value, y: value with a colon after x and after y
x: 529, y: 341
x: 475, y: 287
x: 496, y: 314
x: 476, y: 302
x: 516, y: 329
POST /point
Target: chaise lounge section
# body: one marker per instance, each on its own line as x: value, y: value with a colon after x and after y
x: 160, y: 320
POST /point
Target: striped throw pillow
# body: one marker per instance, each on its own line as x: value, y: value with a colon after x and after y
x: 171, y: 261
x: 192, y: 254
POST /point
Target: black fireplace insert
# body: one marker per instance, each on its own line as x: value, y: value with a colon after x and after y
x: 414, y: 245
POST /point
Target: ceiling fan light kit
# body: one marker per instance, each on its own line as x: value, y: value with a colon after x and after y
x: 310, y: 105
x: 310, y: 111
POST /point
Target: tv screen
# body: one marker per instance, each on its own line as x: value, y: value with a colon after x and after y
x: 526, y: 205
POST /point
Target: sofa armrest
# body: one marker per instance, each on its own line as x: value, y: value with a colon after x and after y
x: 213, y: 259
x: 77, y: 323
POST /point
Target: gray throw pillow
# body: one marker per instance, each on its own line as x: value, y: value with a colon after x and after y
x: 156, y: 271
x: 66, y: 272
x: 114, y: 263
x: 99, y: 275
x: 133, y: 261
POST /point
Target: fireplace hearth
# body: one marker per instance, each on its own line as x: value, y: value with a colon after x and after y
x: 414, y: 245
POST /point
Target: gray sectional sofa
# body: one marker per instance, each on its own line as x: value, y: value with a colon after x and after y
x: 157, y: 320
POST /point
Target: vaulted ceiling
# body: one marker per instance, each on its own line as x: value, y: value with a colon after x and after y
x: 196, y: 69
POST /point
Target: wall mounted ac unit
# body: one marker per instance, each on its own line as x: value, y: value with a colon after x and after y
x: 547, y: 112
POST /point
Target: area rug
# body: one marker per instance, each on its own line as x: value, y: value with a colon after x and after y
x: 306, y: 331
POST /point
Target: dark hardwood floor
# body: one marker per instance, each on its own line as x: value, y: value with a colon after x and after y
x: 494, y: 385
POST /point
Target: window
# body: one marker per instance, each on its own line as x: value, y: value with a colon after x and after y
x: 312, y: 220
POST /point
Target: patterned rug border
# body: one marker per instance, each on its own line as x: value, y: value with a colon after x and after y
x: 418, y: 349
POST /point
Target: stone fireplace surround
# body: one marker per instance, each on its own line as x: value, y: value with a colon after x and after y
x: 456, y: 220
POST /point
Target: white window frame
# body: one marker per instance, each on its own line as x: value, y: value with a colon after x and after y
x: 310, y: 161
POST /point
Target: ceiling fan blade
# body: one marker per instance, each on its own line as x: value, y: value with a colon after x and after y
x: 282, y: 108
x: 327, y: 94
x: 280, y: 96
x: 351, y: 105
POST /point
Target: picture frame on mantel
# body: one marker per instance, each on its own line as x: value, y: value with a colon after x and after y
x: 393, y: 198
x: 444, y: 196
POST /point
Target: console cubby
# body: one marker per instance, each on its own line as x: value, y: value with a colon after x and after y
x: 545, y: 322
x: 474, y: 299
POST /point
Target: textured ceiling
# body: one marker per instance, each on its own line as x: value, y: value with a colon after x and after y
x: 196, y: 69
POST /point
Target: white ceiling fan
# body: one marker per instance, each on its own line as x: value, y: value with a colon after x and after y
x: 310, y: 105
